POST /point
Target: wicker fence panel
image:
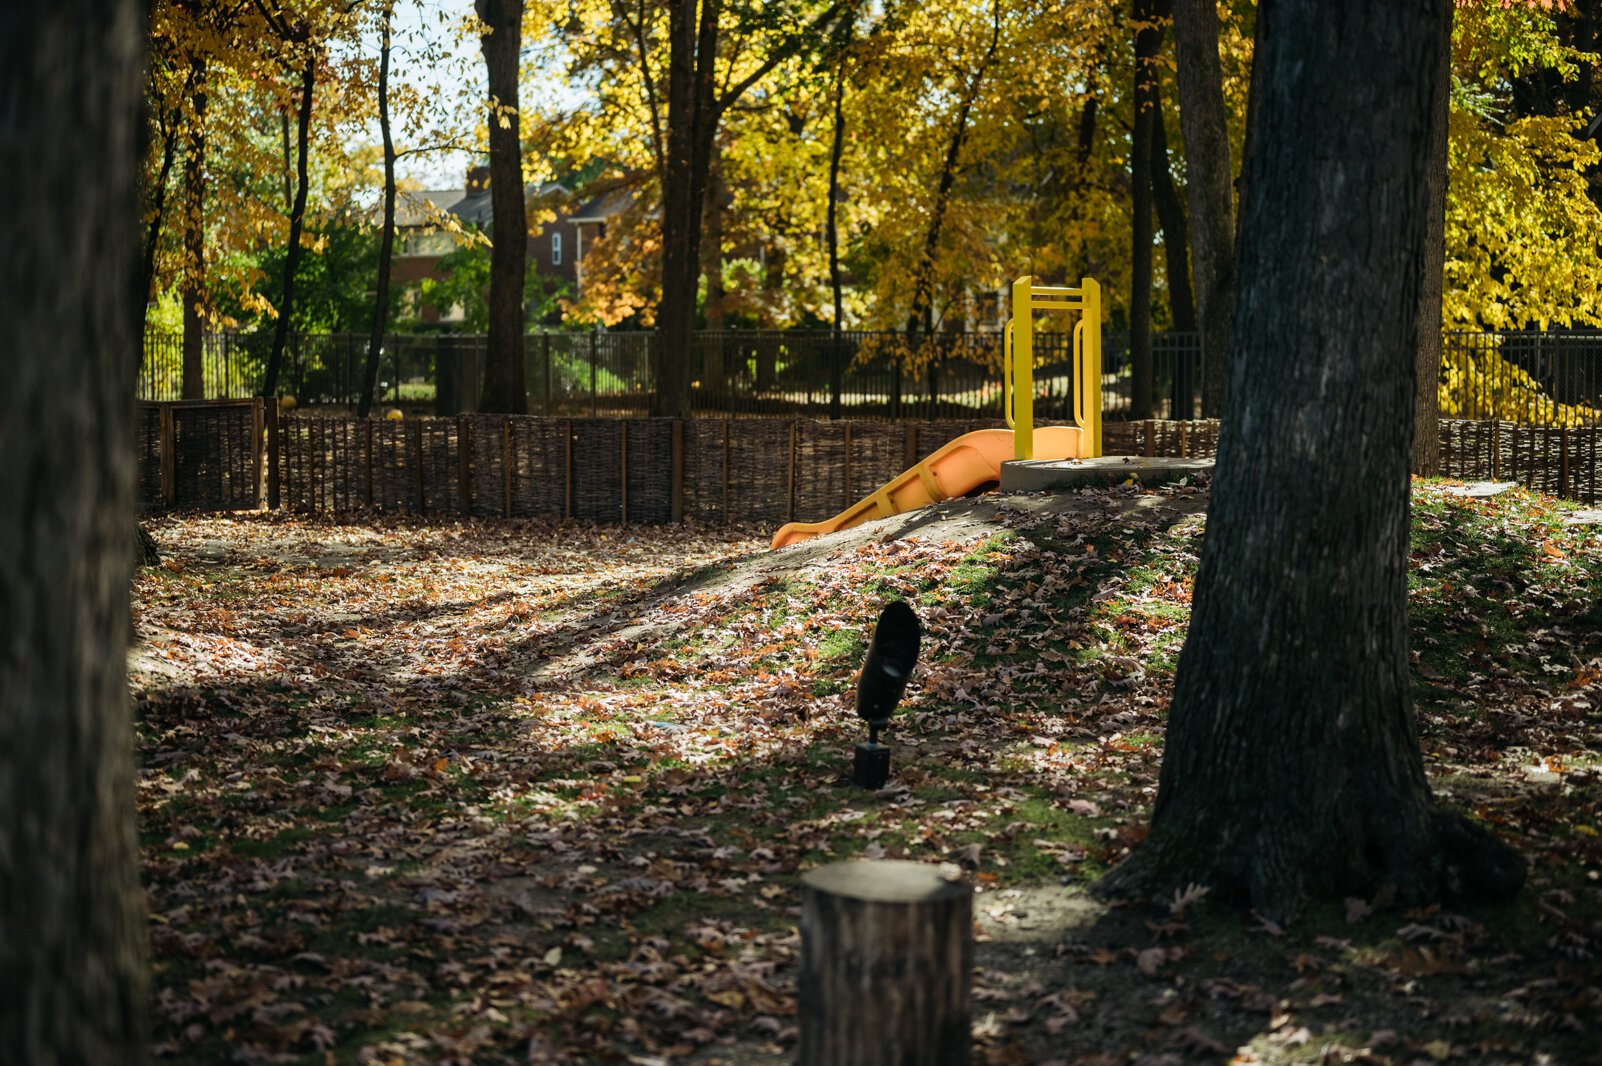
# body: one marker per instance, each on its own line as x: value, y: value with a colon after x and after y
x: 759, y: 470
x: 708, y: 456
x: 216, y: 450
x: 878, y: 454
x: 820, y: 469
x: 650, y: 471
x: 598, y: 469
x: 609, y: 470
x: 541, y: 483
x: 149, y: 452
x: 489, y: 442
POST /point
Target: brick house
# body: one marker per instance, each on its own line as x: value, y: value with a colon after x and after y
x: 555, y: 250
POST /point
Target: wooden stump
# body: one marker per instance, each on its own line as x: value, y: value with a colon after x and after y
x: 886, y: 965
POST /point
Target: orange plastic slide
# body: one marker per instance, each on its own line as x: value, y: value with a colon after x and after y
x: 953, y: 470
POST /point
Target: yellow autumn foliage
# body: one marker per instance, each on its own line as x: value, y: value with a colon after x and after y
x: 1487, y: 385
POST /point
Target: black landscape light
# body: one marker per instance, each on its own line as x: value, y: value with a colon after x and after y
x: 891, y: 657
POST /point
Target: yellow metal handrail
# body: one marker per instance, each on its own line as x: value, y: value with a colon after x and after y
x: 1018, y: 361
x: 1006, y: 375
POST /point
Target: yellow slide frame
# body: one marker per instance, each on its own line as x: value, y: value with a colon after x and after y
x: 1018, y: 361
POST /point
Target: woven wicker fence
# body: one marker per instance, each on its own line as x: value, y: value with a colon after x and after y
x: 203, y: 455
x: 209, y: 457
x: 641, y: 470
x: 1559, y: 461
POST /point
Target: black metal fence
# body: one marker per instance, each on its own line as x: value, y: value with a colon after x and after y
x: 1532, y: 377
x: 1546, y: 377
x: 738, y: 373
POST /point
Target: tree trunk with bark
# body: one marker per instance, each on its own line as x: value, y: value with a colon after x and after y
x: 194, y: 287
x: 1176, y: 255
x: 158, y: 211
x: 72, y: 931
x: 1427, y: 405
x: 1292, y: 766
x: 505, y: 391
x: 1148, y: 43
x: 297, y: 224
x: 922, y: 311
x: 1170, y: 208
x: 714, y: 372
x: 832, y: 228
x: 386, y: 237
x: 1205, y: 133
x: 767, y: 356
x: 886, y: 966
x: 692, y: 119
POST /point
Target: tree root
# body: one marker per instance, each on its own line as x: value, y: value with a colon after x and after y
x: 1447, y: 858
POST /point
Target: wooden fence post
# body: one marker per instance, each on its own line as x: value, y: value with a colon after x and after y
x: 567, y: 469
x: 623, y: 470
x: 795, y: 427
x: 506, y: 466
x: 464, y: 464
x: 257, y: 424
x: 847, y: 490
x: 1496, y: 450
x: 274, y: 474
x: 676, y: 484
x: 886, y: 966
x: 367, y: 461
x: 726, y: 422
x: 417, y: 457
x: 169, y: 457
x: 1150, y: 430
x: 314, y: 479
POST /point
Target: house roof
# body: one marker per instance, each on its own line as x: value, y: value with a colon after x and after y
x: 422, y: 207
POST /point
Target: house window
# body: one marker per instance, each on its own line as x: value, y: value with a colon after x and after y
x: 556, y: 249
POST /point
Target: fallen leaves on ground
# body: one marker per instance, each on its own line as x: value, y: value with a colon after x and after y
x: 517, y: 792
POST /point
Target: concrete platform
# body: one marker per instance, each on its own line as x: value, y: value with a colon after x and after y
x: 1039, y: 475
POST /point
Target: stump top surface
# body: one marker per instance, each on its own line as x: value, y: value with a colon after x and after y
x: 884, y: 881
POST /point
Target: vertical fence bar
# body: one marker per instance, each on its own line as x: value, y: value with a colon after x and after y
x: 676, y: 490
x: 464, y: 464
x: 567, y: 468
x: 545, y: 350
x: 417, y: 457
x: 273, y: 457
x: 847, y: 490
x: 623, y: 468
x: 790, y: 511
x: 506, y: 466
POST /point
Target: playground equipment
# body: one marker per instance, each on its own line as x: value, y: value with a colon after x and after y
x: 1018, y: 362
x: 974, y: 459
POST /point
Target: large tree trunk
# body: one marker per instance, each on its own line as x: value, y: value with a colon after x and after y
x: 1292, y: 765
x: 505, y: 391
x: 1148, y: 42
x: 832, y: 227
x: 158, y: 211
x: 72, y: 933
x: 714, y: 370
x: 1176, y: 230
x: 297, y: 223
x: 692, y: 123
x: 1205, y: 133
x: 1176, y: 254
x: 1427, y: 402
x: 194, y: 287
x: 386, y: 238
x: 921, y: 313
